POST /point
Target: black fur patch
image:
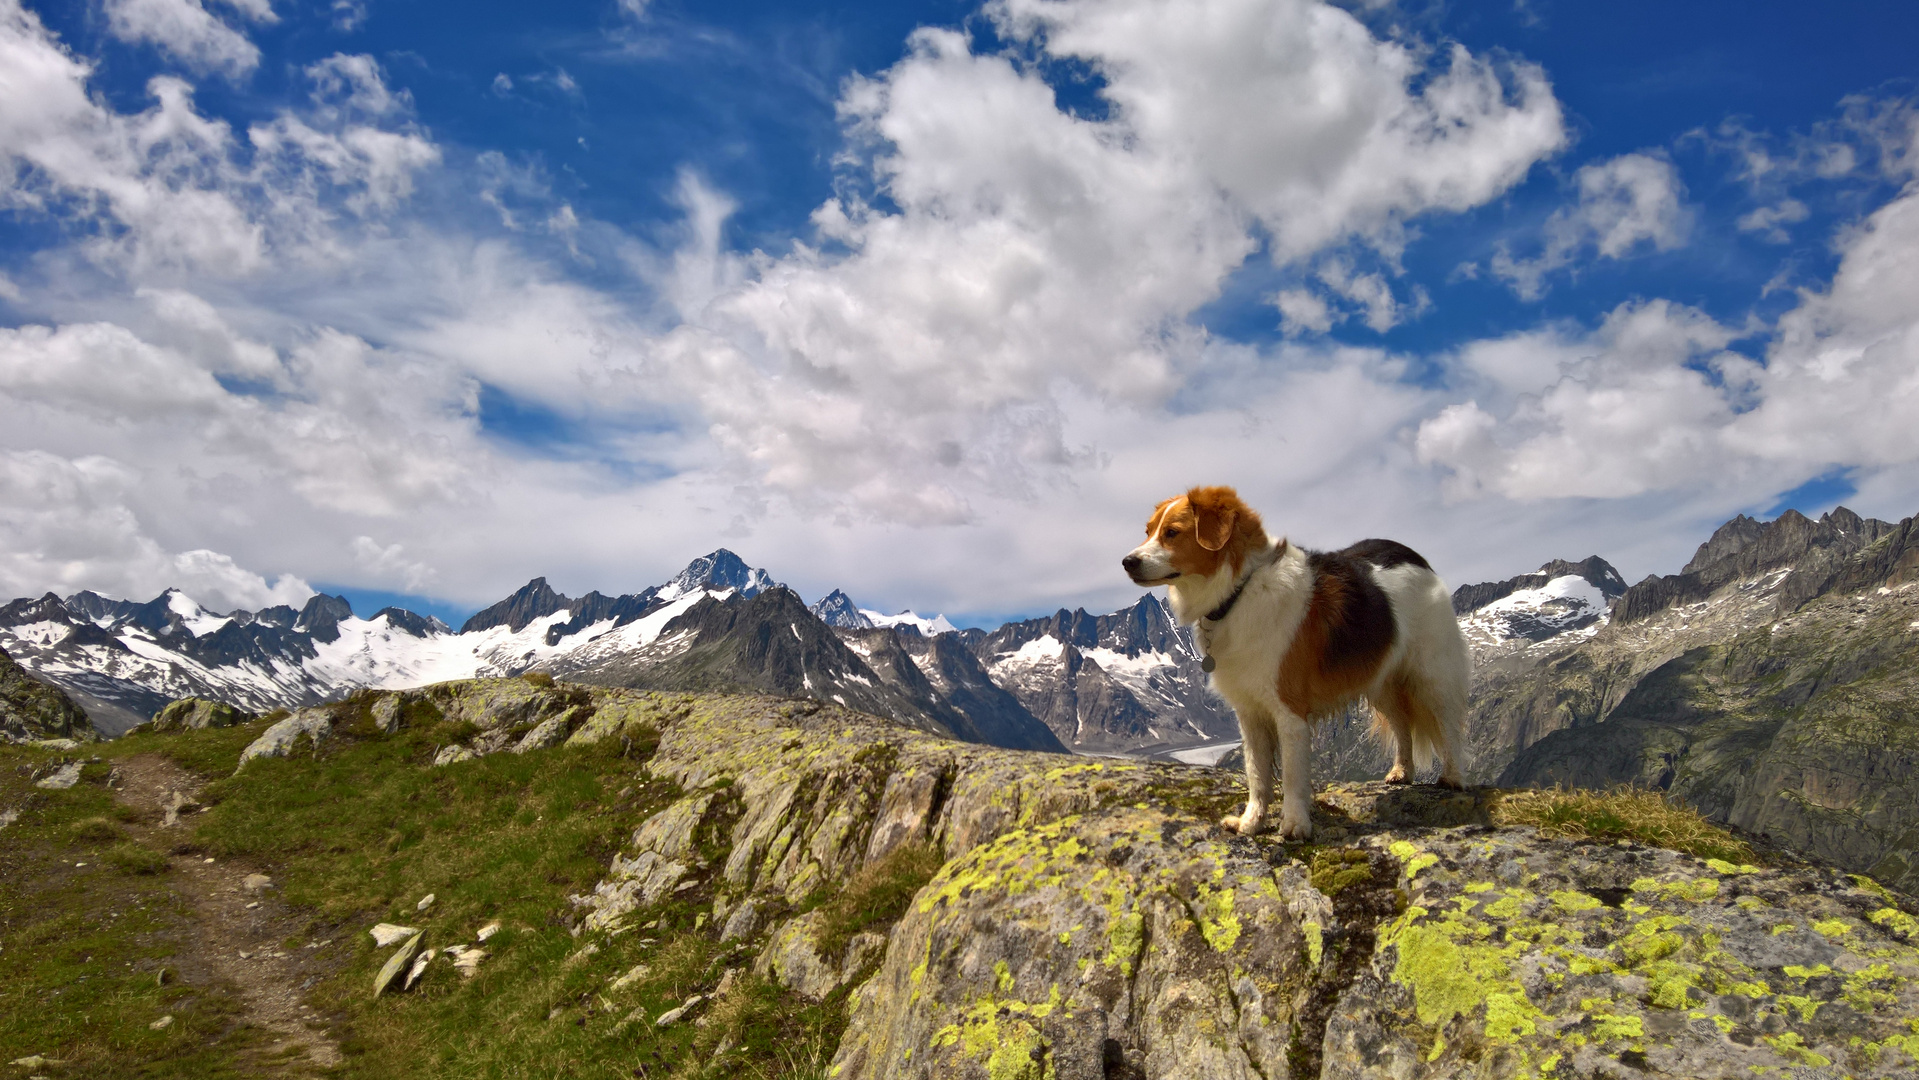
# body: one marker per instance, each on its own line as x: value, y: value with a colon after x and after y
x: 1359, y: 624
x: 1385, y: 554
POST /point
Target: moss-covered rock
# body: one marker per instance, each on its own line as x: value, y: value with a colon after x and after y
x: 31, y: 708
x: 196, y: 714
x: 1089, y: 920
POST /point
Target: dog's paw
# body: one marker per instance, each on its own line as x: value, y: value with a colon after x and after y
x: 1296, y: 828
x: 1399, y: 775
x: 1449, y: 782
x: 1243, y: 824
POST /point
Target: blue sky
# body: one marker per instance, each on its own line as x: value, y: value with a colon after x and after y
x: 932, y: 302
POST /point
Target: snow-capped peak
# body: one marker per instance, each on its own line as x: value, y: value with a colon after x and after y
x: 926, y: 626
x: 716, y: 572
x: 837, y: 609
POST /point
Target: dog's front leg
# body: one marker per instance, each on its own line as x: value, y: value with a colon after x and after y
x: 1295, y: 775
x: 1257, y: 736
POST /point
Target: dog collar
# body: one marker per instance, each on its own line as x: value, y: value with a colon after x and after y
x: 1225, y: 608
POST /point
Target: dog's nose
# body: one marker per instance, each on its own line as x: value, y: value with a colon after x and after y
x: 1131, y: 564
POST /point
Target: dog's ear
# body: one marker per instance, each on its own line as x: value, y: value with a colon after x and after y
x: 1213, y: 525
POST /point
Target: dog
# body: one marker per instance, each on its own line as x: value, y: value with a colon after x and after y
x: 1291, y: 636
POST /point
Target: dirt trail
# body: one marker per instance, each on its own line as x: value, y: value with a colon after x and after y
x: 241, y: 934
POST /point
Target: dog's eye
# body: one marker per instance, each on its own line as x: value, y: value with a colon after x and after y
x: 1170, y: 533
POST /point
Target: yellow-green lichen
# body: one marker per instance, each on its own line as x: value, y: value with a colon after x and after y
x: 1124, y: 938
x: 1790, y: 1046
x: 1315, y: 941
x: 1217, y: 921
x: 1833, y: 928
x: 1570, y: 900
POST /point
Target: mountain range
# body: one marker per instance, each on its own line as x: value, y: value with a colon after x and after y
x: 1770, y: 681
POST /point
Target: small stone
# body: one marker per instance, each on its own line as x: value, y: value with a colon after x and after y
x: 395, y: 965
x: 163, y: 1023
x: 32, y: 1061
x: 635, y: 974
x: 163, y: 977
x: 256, y: 883
x: 467, y: 961
x: 418, y: 969
x: 63, y: 778
x: 245, y: 955
x: 488, y: 931
x: 451, y: 754
x: 209, y: 862
x: 743, y: 923
x: 253, y: 905
x: 8, y: 817
x: 673, y: 1016
x: 425, y: 902
x: 387, y: 933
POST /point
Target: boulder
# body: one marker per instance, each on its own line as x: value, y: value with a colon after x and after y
x: 314, y: 725
x: 450, y: 754
x: 197, y: 714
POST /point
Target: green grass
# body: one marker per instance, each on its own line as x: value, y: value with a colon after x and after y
x: 1622, y: 814
x: 875, y: 897
x: 81, y: 946
x: 354, y: 832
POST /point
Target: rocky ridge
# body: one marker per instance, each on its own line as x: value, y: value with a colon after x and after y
x: 32, y: 709
x: 1782, y: 700
x: 1088, y: 919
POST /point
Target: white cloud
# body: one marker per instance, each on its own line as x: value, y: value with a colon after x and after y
x: 1303, y: 310
x: 260, y: 11
x: 390, y: 564
x: 1770, y: 221
x: 1623, y: 203
x: 169, y: 191
x: 1650, y: 401
x: 67, y: 526
x: 185, y: 29
x: 1029, y: 249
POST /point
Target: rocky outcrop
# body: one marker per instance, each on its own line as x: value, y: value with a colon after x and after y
x: 194, y: 714
x: 1090, y: 920
x: 33, y: 709
x: 307, y: 726
x: 1592, y: 569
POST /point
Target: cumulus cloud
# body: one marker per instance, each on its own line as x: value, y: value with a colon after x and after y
x: 187, y: 31
x: 170, y: 190
x: 1629, y: 201
x: 1770, y: 221
x: 912, y: 363
x: 1652, y: 401
x: 66, y: 526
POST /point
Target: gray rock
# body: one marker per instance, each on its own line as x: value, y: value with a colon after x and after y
x: 385, y: 934
x: 386, y: 713
x: 673, y: 1016
x: 418, y: 969
x: 314, y: 725
x: 549, y: 732
x: 450, y: 754
x: 62, y: 778
x: 256, y: 883
x: 198, y: 714
x: 397, y: 965
x: 744, y: 922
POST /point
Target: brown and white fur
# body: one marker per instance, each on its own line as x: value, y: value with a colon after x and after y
x: 1310, y: 633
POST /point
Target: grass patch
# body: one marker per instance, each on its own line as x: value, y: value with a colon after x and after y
x: 81, y: 945
x: 98, y: 829
x: 1648, y: 817
x: 131, y: 858
x: 877, y: 895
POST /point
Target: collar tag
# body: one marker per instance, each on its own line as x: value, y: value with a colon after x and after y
x: 1207, y: 665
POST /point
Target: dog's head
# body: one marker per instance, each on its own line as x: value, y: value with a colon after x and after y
x: 1193, y: 536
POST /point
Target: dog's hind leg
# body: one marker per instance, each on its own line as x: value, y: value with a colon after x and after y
x: 1392, y: 726
x: 1258, y: 734
x: 1431, y: 725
